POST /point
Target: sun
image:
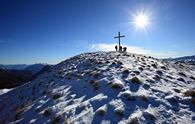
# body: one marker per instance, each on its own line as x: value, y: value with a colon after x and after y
x: 141, y: 21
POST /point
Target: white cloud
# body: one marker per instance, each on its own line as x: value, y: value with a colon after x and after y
x: 134, y: 49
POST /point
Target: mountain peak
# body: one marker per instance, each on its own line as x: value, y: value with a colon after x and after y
x: 105, y: 87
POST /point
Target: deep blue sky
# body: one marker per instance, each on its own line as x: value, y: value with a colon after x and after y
x: 33, y: 31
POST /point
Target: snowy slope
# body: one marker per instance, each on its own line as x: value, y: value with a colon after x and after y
x: 2, y: 91
x: 105, y: 87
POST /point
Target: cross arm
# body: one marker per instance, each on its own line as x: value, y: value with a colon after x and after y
x: 120, y: 36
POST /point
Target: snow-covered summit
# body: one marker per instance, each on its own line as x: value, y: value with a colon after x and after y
x: 105, y: 87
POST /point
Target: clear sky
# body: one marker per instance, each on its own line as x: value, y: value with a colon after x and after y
x: 48, y: 31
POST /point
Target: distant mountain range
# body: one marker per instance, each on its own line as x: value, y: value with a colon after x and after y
x: 184, y: 59
x: 34, y: 67
x: 16, y: 75
x: 14, y: 66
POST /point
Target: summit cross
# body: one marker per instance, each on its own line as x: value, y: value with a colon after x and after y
x: 119, y: 36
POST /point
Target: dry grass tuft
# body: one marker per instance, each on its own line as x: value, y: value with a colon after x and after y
x: 67, y: 122
x: 68, y: 76
x: 47, y: 112
x: 144, y: 98
x: 134, y: 120
x: 101, y: 112
x: 131, y: 98
x: 95, y: 75
x: 56, y: 119
x: 95, y: 84
x: 189, y: 93
x: 19, y: 111
x: 116, y: 86
x: 79, y: 76
x: 136, y: 80
x: 120, y: 112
